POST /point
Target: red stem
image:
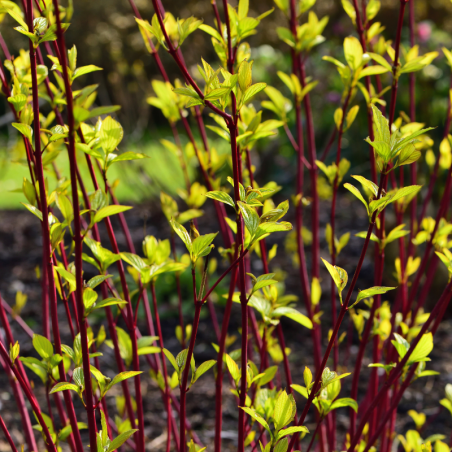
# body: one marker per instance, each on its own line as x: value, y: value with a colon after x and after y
x: 26, y: 422
x: 7, y: 435
x: 395, y: 373
x: 342, y: 313
x: 304, y: 278
x: 412, y: 91
x: 312, y: 157
x: 77, y: 234
x: 165, y: 370
x: 179, y: 293
x: 360, y: 28
x: 175, y: 54
x: 221, y: 351
x: 183, y: 385
x: 34, y: 404
x: 232, y: 266
x: 396, y: 62
x: 47, y: 249
x: 434, y: 175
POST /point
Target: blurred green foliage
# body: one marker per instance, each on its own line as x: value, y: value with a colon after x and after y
x: 106, y: 34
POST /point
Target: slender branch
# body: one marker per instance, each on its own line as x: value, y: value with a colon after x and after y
x: 77, y: 234
x: 360, y: 28
x: 47, y: 248
x: 220, y: 356
x: 26, y: 422
x: 395, y: 373
x: 395, y: 75
x: 34, y: 404
x: 173, y: 52
x: 233, y: 265
x: 165, y: 370
x: 7, y: 435
x: 183, y: 384
x: 342, y: 313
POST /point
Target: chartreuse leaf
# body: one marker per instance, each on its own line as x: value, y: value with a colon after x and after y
x: 99, y: 442
x: 134, y: 260
x: 99, y: 111
x: 14, y: 351
x: 202, y: 369
x: 386, y: 367
x: 111, y: 134
x: 268, y: 376
x: 282, y: 445
x: 64, y: 386
x: 250, y: 217
x: 109, y: 211
x: 37, y: 366
x: 66, y: 431
x: 349, y: 9
x: 307, y: 377
x: 410, y: 190
x: 34, y: 210
x: 101, y: 379
x: 377, y: 290
x: 183, y: 234
x: 217, y: 93
x: 367, y: 184
x: 120, y: 440
x: 43, y: 346
x: 339, y: 275
x: 85, y: 70
x: 89, y: 297
x: 96, y: 280
x: 380, y: 60
x: 401, y: 345
x: 252, y: 91
x: 263, y: 281
x: 148, y: 350
x: 19, y: 101
x: 334, y: 61
x: 171, y: 359
x: 351, y: 116
x: 181, y: 360
x: 79, y: 378
x: 257, y: 417
x: 202, y: 245
x: 294, y: 315
x: 422, y: 349
x: 373, y: 70
x: 418, y: 418
x: 353, y: 52
x: 329, y: 377
x: 233, y: 368
x: 358, y: 194
x: 104, y: 430
x: 123, y: 376
x: 339, y: 403
x: 128, y: 156
x: 14, y: 11
x: 211, y: 31
x: 291, y: 430
x: 284, y: 411
x: 221, y: 196
x: 109, y: 302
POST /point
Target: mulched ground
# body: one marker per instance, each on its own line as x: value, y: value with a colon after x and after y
x: 20, y: 254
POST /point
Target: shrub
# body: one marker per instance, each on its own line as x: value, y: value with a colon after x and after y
x: 394, y: 332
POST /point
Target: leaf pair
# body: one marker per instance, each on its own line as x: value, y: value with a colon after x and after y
x: 198, y: 247
x: 179, y: 363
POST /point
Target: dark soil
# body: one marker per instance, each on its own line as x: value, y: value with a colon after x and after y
x: 20, y: 255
